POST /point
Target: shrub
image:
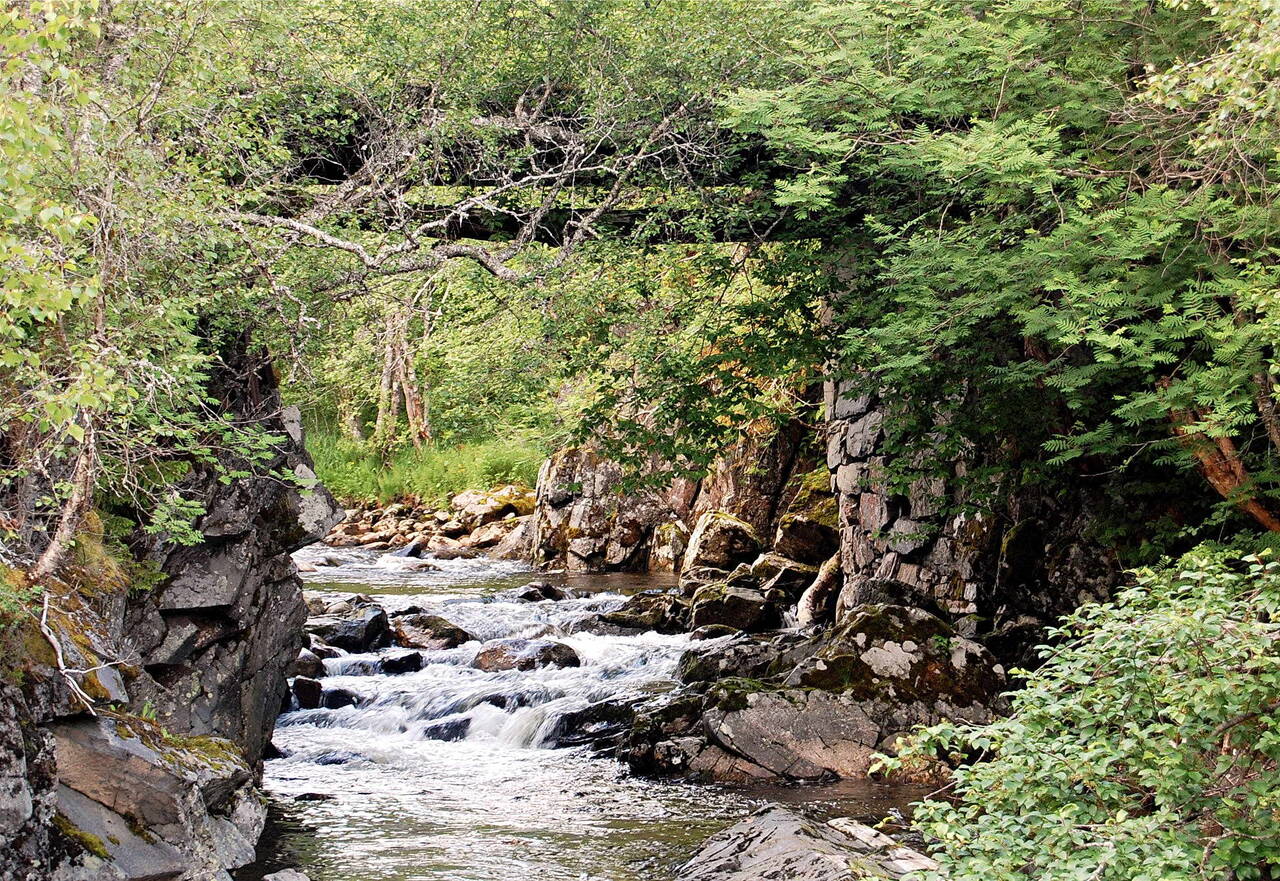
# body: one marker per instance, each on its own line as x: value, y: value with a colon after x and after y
x: 1145, y: 748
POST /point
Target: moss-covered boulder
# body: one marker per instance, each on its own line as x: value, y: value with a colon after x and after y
x: 741, y: 608
x: 651, y: 610
x: 720, y: 541
x: 808, y: 531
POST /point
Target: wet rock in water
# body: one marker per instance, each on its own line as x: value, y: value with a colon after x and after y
x: 537, y: 591
x: 720, y: 541
x: 409, y: 662
x: 774, y: 572
x: 322, y: 651
x: 776, y: 843
x: 365, y: 628
x: 416, y: 548
x: 651, y: 610
x: 456, y: 552
x: 600, y: 725
x: 337, y: 698
x: 711, y: 631
x: 742, y: 608
x: 747, y: 657
x: 524, y: 654
x: 448, y: 729
x: 307, y: 663
x: 423, y: 631
x: 307, y: 692
x: 286, y: 874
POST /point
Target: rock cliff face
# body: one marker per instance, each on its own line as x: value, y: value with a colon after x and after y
x: 584, y: 524
x: 217, y: 633
x: 1013, y: 571
x: 186, y: 679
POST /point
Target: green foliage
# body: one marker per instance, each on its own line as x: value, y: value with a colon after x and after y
x: 1046, y: 254
x: 431, y: 475
x: 1144, y: 749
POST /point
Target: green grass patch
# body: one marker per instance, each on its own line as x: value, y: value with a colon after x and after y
x: 432, y: 475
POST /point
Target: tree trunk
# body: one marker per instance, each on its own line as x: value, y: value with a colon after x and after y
x: 74, y: 509
x: 1221, y: 465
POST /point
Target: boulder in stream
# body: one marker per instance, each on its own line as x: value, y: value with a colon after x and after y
x: 406, y: 662
x: 720, y: 541
x: 651, y: 610
x: 365, y: 628
x: 424, y: 631
x: 308, y: 663
x: 777, y: 843
x: 524, y: 654
x: 796, y: 707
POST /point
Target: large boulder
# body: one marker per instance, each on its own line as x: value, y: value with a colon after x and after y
x: 742, y: 608
x: 423, y: 631
x: 476, y: 508
x: 364, y: 629
x: 776, y: 843
x: 720, y: 541
x: 651, y: 610
x: 808, y: 531
x: 524, y: 654
x: 583, y: 521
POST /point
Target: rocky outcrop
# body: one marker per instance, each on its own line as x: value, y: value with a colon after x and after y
x: 775, y: 843
x: 195, y: 638
x: 153, y: 805
x: 1011, y: 571
x: 216, y: 634
x: 583, y: 521
x: 801, y: 707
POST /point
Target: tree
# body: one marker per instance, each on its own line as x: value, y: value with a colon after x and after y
x: 1057, y: 227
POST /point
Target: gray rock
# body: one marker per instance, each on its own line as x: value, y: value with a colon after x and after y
x: 660, y: 612
x: 307, y: 692
x: 720, y: 541
x: 775, y: 843
x: 394, y: 665
x: 286, y: 875
x: 307, y: 663
x: 741, y: 608
x: 366, y: 628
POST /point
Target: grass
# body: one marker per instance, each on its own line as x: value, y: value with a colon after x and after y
x: 429, y: 476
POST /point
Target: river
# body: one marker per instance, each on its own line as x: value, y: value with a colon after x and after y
x: 445, y: 774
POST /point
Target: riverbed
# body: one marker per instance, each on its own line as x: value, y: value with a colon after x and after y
x: 447, y: 773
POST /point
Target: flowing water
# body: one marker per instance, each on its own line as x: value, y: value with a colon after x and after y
x: 373, y: 792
